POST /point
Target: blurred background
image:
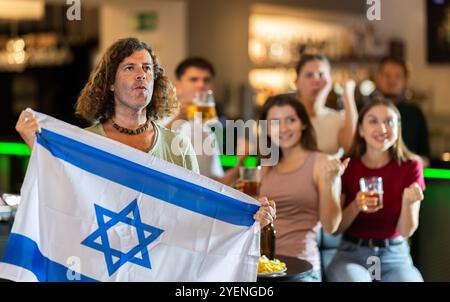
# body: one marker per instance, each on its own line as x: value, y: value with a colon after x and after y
x: 45, y: 60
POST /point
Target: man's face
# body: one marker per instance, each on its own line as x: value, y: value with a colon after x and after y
x: 133, y: 85
x: 391, y: 79
x: 191, y: 81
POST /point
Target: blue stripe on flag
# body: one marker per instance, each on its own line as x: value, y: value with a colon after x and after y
x: 24, y: 252
x: 151, y: 182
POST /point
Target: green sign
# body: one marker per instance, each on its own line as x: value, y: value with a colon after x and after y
x: 232, y: 161
x: 146, y: 21
x: 436, y: 173
x: 14, y: 149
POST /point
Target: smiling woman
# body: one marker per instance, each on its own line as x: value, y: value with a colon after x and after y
x: 305, y: 183
x: 379, y: 151
x: 379, y: 128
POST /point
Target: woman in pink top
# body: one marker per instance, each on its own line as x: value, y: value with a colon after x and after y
x: 305, y: 184
x: 374, y: 245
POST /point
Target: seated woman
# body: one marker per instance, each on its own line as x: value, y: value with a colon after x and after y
x: 379, y: 151
x: 305, y: 184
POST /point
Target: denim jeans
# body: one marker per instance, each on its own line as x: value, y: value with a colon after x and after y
x: 355, y: 263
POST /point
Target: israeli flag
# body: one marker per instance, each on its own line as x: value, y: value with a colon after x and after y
x: 93, y: 209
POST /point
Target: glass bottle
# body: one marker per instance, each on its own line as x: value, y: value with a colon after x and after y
x: 268, y: 236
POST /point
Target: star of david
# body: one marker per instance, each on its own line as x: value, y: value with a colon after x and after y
x: 103, y: 245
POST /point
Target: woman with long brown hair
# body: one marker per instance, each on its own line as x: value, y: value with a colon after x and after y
x: 376, y: 223
x: 305, y: 183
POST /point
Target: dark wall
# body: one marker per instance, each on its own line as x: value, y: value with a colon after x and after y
x: 431, y: 242
x: 57, y: 89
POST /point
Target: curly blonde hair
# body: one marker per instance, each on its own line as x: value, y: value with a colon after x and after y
x: 96, y: 100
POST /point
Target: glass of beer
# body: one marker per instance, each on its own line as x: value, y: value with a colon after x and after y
x: 371, y: 187
x: 251, y: 177
x: 203, y: 103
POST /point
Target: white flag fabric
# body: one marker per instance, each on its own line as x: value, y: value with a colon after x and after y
x: 93, y: 209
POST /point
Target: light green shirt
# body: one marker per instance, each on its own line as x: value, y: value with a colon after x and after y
x: 183, y: 156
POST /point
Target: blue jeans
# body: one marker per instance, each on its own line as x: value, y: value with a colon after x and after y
x: 355, y: 263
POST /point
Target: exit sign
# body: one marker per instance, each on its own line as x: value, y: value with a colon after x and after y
x: 146, y: 21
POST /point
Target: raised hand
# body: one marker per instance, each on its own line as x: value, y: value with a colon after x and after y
x: 27, y: 126
x: 412, y: 194
x: 323, y: 94
x: 349, y: 91
x: 334, y: 168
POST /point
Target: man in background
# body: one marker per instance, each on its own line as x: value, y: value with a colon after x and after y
x: 391, y: 80
x: 196, y: 75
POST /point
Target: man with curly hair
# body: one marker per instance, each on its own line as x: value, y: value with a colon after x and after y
x: 127, y: 91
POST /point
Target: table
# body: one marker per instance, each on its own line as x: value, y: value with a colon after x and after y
x: 296, y: 270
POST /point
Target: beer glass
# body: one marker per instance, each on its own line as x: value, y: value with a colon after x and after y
x: 371, y: 187
x: 203, y: 102
x: 251, y: 178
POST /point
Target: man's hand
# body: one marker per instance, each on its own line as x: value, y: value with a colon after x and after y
x: 27, y: 126
x: 266, y: 213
